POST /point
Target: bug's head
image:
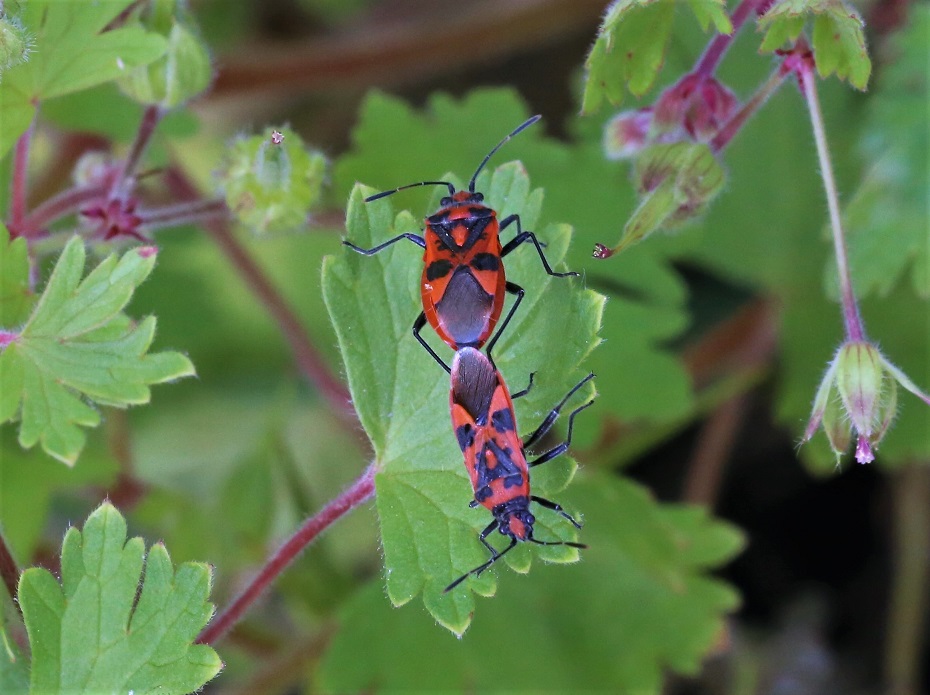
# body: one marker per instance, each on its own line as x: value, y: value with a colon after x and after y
x: 461, y: 198
x: 514, y: 519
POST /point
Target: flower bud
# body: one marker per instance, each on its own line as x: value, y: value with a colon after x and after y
x: 626, y: 134
x: 858, y: 396
x: 695, y: 108
x: 859, y: 382
x: 272, y: 181
x: 183, y: 71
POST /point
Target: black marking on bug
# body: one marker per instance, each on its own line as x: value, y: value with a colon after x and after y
x: 438, y: 269
x: 482, y: 493
x: 443, y: 228
x: 502, y: 420
x: 465, y: 434
x: 486, y: 261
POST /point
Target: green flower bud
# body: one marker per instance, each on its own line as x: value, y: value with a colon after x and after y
x: 182, y: 72
x: 676, y: 182
x: 15, y: 43
x: 272, y: 181
x: 858, y: 396
x: 859, y: 381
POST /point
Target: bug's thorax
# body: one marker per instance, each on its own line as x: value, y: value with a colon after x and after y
x: 462, y: 223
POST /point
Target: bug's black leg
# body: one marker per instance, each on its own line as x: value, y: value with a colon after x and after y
x: 415, y: 238
x: 520, y: 394
x: 481, y: 568
x: 563, y: 447
x: 524, y: 236
x: 417, y: 327
x: 549, y: 504
x: 546, y: 425
x: 515, y: 289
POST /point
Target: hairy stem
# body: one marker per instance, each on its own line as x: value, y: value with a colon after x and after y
x: 19, y: 183
x: 855, y: 331
x: 308, y: 359
x: 150, y: 119
x: 9, y: 572
x: 907, y: 612
x: 65, y: 203
x: 360, y: 492
x: 717, y: 48
x: 733, y: 126
x: 184, y: 213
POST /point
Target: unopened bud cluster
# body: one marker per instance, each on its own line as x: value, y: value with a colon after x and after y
x: 183, y: 72
x: 272, y: 181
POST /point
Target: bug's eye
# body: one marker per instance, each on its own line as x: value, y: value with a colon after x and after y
x: 477, y: 197
x: 443, y: 202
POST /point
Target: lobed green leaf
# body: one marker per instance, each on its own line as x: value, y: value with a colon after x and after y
x: 428, y: 530
x: 71, y: 52
x: 838, y: 39
x: 631, y: 45
x: 886, y: 219
x: 89, y: 634
x: 16, y: 299
x: 656, y: 608
x: 77, y: 347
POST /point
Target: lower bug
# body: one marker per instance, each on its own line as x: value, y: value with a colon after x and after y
x: 486, y: 430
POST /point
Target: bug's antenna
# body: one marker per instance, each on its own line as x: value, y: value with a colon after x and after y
x: 526, y: 124
x: 385, y: 194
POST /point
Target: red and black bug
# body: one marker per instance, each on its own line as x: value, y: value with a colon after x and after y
x: 495, y: 456
x: 463, y: 282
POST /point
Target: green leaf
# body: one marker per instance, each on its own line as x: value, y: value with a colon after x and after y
x: 631, y: 44
x: 77, y: 347
x: 88, y: 634
x: 428, y: 530
x: 16, y: 299
x: 886, y: 219
x: 70, y: 53
x: 838, y: 39
x: 656, y: 609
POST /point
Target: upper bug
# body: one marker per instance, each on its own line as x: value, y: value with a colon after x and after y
x: 463, y: 282
x: 495, y: 456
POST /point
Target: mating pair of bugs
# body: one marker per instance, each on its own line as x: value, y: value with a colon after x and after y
x: 462, y: 288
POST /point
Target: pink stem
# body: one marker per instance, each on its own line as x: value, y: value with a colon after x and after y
x: 184, y: 213
x: 718, y: 47
x: 360, y: 492
x: 150, y: 120
x: 64, y: 203
x: 855, y: 331
x: 308, y: 359
x: 19, y: 184
x: 733, y: 126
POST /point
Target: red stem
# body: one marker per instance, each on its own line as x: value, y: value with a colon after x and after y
x: 184, y: 213
x: 19, y: 184
x: 360, y: 492
x: 64, y: 203
x: 308, y: 359
x: 717, y: 48
x: 733, y: 126
x: 150, y: 119
x: 855, y: 329
x: 9, y: 572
